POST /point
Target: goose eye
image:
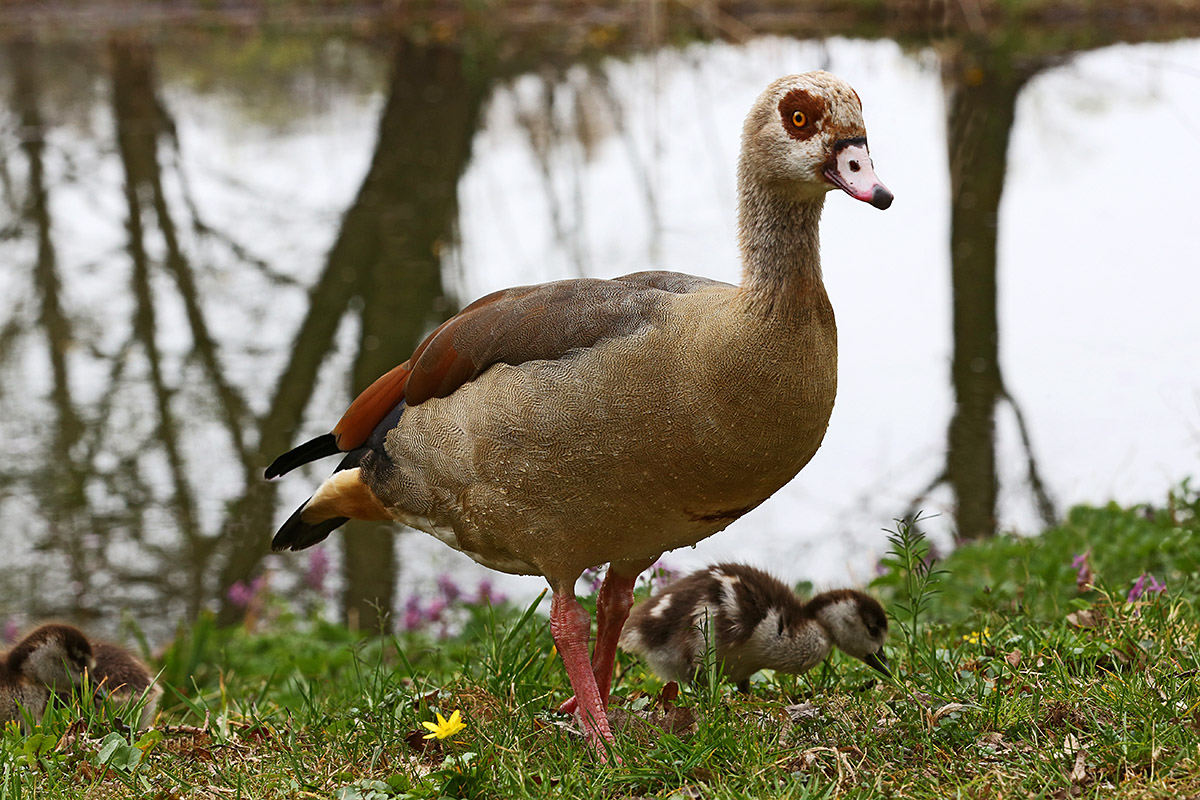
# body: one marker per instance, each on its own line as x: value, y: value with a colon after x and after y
x: 799, y: 119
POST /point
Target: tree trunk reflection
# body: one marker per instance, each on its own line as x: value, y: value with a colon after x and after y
x: 141, y: 120
x: 62, y: 478
x: 393, y: 239
x: 982, y: 84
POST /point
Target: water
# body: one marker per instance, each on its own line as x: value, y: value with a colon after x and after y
x: 146, y: 377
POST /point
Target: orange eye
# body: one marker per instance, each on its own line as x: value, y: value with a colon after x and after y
x: 798, y: 119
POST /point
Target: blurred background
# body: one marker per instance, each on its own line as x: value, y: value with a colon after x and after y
x: 219, y: 221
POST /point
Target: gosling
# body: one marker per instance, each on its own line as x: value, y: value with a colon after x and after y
x: 123, y: 678
x: 52, y: 659
x: 55, y: 656
x: 753, y: 621
x: 20, y: 697
x: 58, y: 656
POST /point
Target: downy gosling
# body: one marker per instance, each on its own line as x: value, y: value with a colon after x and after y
x: 123, y: 678
x: 17, y: 695
x: 754, y: 622
x: 57, y: 657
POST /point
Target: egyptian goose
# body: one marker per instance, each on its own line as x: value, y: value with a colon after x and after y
x: 56, y: 656
x: 752, y: 621
x: 547, y: 429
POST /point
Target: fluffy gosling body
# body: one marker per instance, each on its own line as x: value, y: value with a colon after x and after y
x: 55, y: 658
x: 17, y: 695
x: 51, y: 659
x: 123, y: 678
x: 753, y: 621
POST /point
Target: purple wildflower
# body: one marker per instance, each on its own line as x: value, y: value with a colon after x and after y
x: 1146, y: 583
x: 1083, y: 575
x: 486, y: 594
x: 241, y: 593
x: 413, y: 618
x: 318, y: 569
x: 435, y: 610
x: 661, y: 574
x: 594, y: 578
x: 12, y: 629
x: 417, y: 615
x: 448, y: 588
x: 661, y: 571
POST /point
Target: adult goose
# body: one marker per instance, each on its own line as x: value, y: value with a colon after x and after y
x: 547, y: 429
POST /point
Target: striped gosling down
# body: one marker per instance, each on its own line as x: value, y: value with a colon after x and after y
x: 754, y: 621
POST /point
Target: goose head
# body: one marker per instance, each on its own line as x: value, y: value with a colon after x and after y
x: 805, y: 136
x: 855, y: 623
x: 55, y: 656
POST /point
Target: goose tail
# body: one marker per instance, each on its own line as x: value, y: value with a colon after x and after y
x: 325, y: 445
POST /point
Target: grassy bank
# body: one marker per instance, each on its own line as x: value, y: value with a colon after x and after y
x: 1050, y: 667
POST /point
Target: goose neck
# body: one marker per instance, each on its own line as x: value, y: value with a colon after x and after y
x: 779, y: 238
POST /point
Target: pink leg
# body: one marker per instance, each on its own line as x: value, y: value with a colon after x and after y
x: 612, y: 609
x: 572, y: 628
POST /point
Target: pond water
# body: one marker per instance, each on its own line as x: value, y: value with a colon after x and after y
x: 206, y: 246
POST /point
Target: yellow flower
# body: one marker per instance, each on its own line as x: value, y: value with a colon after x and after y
x: 445, y: 728
x: 975, y: 637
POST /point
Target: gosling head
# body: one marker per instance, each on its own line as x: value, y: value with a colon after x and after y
x: 805, y: 136
x: 855, y: 623
x: 55, y: 656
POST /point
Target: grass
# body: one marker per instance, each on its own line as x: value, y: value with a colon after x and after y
x: 1019, y: 675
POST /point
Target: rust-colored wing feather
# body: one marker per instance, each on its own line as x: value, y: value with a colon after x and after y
x: 543, y: 321
x: 371, y: 406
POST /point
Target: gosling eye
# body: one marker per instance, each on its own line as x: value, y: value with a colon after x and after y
x: 799, y: 119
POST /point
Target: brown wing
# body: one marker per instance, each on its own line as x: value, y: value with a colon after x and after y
x: 544, y: 321
x: 673, y: 282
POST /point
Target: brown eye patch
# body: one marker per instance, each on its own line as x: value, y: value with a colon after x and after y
x: 800, y: 111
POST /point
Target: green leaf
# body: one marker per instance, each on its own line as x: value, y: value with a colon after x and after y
x: 148, y: 740
x: 109, y: 746
x: 365, y: 789
x: 118, y: 753
x: 39, y: 744
x: 127, y: 758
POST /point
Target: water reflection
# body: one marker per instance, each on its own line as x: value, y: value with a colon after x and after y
x: 200, y: 276
x: 982, y: 79
x: 392, y: 240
